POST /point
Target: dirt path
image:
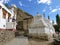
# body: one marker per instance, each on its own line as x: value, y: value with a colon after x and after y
x: 18, y: 41
x: 25, y: 41
x: 39, y: 42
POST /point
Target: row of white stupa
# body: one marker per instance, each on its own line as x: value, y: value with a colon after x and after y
x: 6, y: 18
x: 41, y: 27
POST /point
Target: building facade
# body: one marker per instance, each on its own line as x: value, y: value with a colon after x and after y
x: 23, y: 21
x: 6, y: 18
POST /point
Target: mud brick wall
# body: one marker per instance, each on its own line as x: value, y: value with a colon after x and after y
x: 6, y: 36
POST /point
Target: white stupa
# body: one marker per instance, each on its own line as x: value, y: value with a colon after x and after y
x: 41, y: 27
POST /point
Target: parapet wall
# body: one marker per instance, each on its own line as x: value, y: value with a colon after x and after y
x: 6, y: 36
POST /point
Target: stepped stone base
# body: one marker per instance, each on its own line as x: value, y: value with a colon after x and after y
x: 6, y: 36
x: 41, y: 36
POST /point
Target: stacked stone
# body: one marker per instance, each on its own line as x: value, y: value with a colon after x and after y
x: 9, y: 35
x: 1, y: 37
x: 6, y: 36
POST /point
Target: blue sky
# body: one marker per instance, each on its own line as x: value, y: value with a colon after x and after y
x: 49, y: 7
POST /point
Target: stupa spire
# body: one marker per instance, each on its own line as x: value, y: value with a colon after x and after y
x: 44, y: 15
x: 48, y: 17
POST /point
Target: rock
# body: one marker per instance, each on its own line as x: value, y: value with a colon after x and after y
x: 6, y: 36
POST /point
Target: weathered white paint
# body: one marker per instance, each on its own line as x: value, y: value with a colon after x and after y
x: 4, y: 24
x: 41, y: 26
x: 3, y: 6
x: 2, y: 21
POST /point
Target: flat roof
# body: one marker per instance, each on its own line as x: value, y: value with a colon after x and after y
x: 3, y: 6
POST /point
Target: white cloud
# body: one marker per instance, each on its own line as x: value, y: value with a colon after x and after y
x: 29, y: 0
x: 58, y: 8
x: 44, y: 1
x: 44, y: 10
x: 20, y: 3
x: 54, y: 10
x: 4, y: 1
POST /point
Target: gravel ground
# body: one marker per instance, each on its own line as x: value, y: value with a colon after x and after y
x: 40, y: 42
x: 18, y: 41
x: 25, y: 41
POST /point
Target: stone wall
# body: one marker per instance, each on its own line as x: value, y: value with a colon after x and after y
x: 23, y: 20
x: 6, y: 36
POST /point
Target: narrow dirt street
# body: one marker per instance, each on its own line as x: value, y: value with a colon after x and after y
x: 25, y: 41
x: 18, y: 41
x: 39, y: 42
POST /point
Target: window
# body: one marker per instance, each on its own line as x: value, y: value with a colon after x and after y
x: 4, y: 13
x: 9, y: 16
x: 0, y: 7
x: 3, y: 25
x: 13, y: 19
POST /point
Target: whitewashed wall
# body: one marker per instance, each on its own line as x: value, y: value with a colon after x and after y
x: 0, y: 16
x: 37, y: 30
x: 49, y: 31
x: 2, y: 21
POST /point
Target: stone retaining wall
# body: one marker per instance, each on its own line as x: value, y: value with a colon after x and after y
x: 6, y: 36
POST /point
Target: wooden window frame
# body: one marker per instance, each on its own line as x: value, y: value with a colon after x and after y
x: 4, y: 13
x: 9, y: 15
x: 0, y: 7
